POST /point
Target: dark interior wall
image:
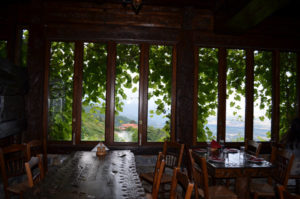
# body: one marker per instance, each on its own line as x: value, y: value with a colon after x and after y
x: 186, y: 27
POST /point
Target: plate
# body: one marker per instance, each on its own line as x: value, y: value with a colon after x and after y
x: 217, y: 160
x: 255, y: 160
x: 200, y: 150
x: 230, y: 150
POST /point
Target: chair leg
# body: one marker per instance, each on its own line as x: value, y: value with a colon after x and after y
x: 227, y: 183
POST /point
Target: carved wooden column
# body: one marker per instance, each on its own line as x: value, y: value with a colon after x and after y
x: 185, y: 81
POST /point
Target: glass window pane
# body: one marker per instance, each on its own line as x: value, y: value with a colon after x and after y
x: 3, y: 49
x: 262, y: 95
x: 288, y: 86
x: 235, y: 103
x: 159, y: 93
x: 93, y: 92
x: 24, y: 47
x: 207, y: 94
x: 127, y: 93
x: 60, y: 97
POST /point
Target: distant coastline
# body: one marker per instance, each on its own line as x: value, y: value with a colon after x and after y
x: 233, y: 132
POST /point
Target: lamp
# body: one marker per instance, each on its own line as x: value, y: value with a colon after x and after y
x: 136, y: 4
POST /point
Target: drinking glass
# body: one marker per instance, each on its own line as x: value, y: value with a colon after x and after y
x: 242, y: 153
x: 222, y: 143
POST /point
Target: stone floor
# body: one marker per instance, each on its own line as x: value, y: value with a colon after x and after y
x: 144, y: 163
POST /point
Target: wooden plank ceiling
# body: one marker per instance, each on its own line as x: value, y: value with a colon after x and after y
x: 229, y: 16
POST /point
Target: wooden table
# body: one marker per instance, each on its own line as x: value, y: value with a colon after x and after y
x: 87, y: 176
x: 236, y: 166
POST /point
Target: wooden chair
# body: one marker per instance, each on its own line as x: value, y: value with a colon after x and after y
x: 34, y: 162
x: 200, y: 178
x: 12, y: 161
x: 283, y: 161
x: 252, y: 147
x: 284, y: 194
x: 158, y: 172
x: 172, y: 153
x: 183, y: 180
x: 35, y: 148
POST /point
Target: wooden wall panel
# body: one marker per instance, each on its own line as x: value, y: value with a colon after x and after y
x: 112, y: 14
x: 110, y: 32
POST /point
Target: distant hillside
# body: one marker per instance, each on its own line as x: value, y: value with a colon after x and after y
x: 119, y: 119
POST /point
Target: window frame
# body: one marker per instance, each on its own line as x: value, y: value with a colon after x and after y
x: 110, y: 94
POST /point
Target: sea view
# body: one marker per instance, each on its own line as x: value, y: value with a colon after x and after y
x: 233, y: 132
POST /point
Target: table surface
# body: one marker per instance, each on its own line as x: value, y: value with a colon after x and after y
x: 87, y: 176
x: 237, y: 166
x: 239, y: 160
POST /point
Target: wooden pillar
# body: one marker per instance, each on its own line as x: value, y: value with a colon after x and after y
x: 221, y: 126
x: 249, y: 94
x: 184, y: 82
x: 143, y: 93
x: 195, y: 100
x: 36, y: 69
x: 14, y: 45
x: 77, y: 92
x: 110, y: 92
x: 173, y: 105
x: 45, y: 101
x: 275, y: 96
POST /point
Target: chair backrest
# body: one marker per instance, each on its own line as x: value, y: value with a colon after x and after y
x: 34, y: 147
x: 12, y: 162
x: 183, y: 180
x: 283, y: 160
x: 173, y: 153
x: 284, y: 194
x: 158, y: 172
x: 34, y: 162
x: 199, y: 175
x: 252, y: 147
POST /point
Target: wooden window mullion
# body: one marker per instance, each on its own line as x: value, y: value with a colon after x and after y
x: 195, y: 99
x: 110, y: 92
x: 298, y: 84
x: 143, y: 94
x: 222, y: 93
x: 275, y: 95
x: 173, y: 94
x: 45, y: 101
x: 77, y: 93
x: 249, y: 94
